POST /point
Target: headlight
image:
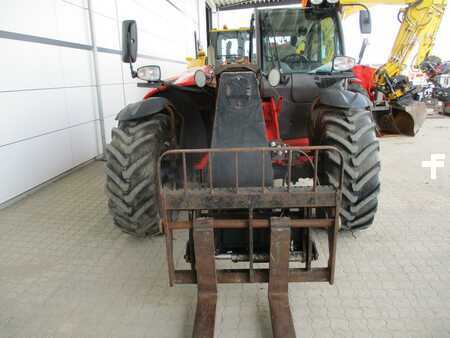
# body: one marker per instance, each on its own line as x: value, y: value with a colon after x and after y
x: 149, y: 73
x: 316, y: 2
x: 332, y: 1
x: 200, y: 78
x: 274, y: 77
x: 343, y: 63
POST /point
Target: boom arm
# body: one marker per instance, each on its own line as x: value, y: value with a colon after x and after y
x: 420, y: 22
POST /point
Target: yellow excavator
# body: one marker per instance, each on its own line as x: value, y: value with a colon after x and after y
x: 227, y: 45
x: 395, y: 108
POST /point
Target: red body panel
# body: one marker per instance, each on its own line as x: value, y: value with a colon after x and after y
x: 185, y: 79
x: 365, y: 76
x: 202, y: 163
x: 297, y: 142
x: 271, y: 110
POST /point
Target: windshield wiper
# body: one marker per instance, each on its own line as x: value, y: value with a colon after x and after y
x: 268, y: 25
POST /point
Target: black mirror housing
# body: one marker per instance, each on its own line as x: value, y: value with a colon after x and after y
x: 129, y: 41
x: 365, y: 24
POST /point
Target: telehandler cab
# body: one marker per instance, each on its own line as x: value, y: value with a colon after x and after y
x: 257, y: 154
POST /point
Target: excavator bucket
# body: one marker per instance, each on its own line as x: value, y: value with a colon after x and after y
x: 401, y: 118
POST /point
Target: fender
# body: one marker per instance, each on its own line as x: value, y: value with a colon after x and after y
x: 341, y: 98
x: 144, y: 108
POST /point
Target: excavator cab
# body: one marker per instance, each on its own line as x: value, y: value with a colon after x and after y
x: 227, y: 46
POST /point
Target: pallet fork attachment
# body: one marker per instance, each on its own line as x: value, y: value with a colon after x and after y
x: 280, y: 312
x: 203, y: 270
x: 205, y: 315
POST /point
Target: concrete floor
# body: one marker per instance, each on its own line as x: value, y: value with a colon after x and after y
x: 66, y: 271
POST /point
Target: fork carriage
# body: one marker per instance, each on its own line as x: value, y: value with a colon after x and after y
x: 273, y: 223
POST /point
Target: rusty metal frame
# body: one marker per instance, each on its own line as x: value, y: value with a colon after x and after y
x: 205, y: 315
x: 279, y: 274
x: 280, y: 312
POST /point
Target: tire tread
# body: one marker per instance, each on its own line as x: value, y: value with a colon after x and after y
x: 353, y: 133
x: 131, y: 186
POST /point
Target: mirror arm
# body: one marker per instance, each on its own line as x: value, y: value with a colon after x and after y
x: 363, y: 50
x: 196, y: 45
x: 132, y: 71
x: 130, y: 60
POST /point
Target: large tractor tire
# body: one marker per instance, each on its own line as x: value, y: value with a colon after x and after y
x: 131, y: 173
x: 353, y: 133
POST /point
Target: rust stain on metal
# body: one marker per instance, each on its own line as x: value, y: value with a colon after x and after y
x: 203, y: 271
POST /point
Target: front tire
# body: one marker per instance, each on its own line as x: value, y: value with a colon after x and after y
x: 353, y: 133
x: 131, y: 173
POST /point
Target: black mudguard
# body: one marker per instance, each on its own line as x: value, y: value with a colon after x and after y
x: 341, y: 98
x: 141, y: 109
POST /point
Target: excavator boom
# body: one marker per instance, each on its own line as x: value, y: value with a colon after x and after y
x: 420, y: 22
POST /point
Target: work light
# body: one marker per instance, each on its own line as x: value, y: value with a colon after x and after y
x: 200, y: 78
x: 343, y: 63
x: 150, y: 73
x: 274, y: 77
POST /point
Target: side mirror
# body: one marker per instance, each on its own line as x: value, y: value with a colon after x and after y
x: 129, y: 41
x: 365, y: 24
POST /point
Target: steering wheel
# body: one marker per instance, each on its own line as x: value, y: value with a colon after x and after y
x: 293, y: 59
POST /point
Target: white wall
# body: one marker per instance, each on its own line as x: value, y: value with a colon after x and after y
x: 165, y: 37
x: 233, y: 18
x: 385, y: 27
x: 384, y: 30
x: 48, y: 100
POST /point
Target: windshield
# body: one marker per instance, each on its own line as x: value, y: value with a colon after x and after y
x: 299, y: 40
x: 232, y: 46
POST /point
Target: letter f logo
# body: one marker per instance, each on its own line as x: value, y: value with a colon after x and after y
x: 436, y: 161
